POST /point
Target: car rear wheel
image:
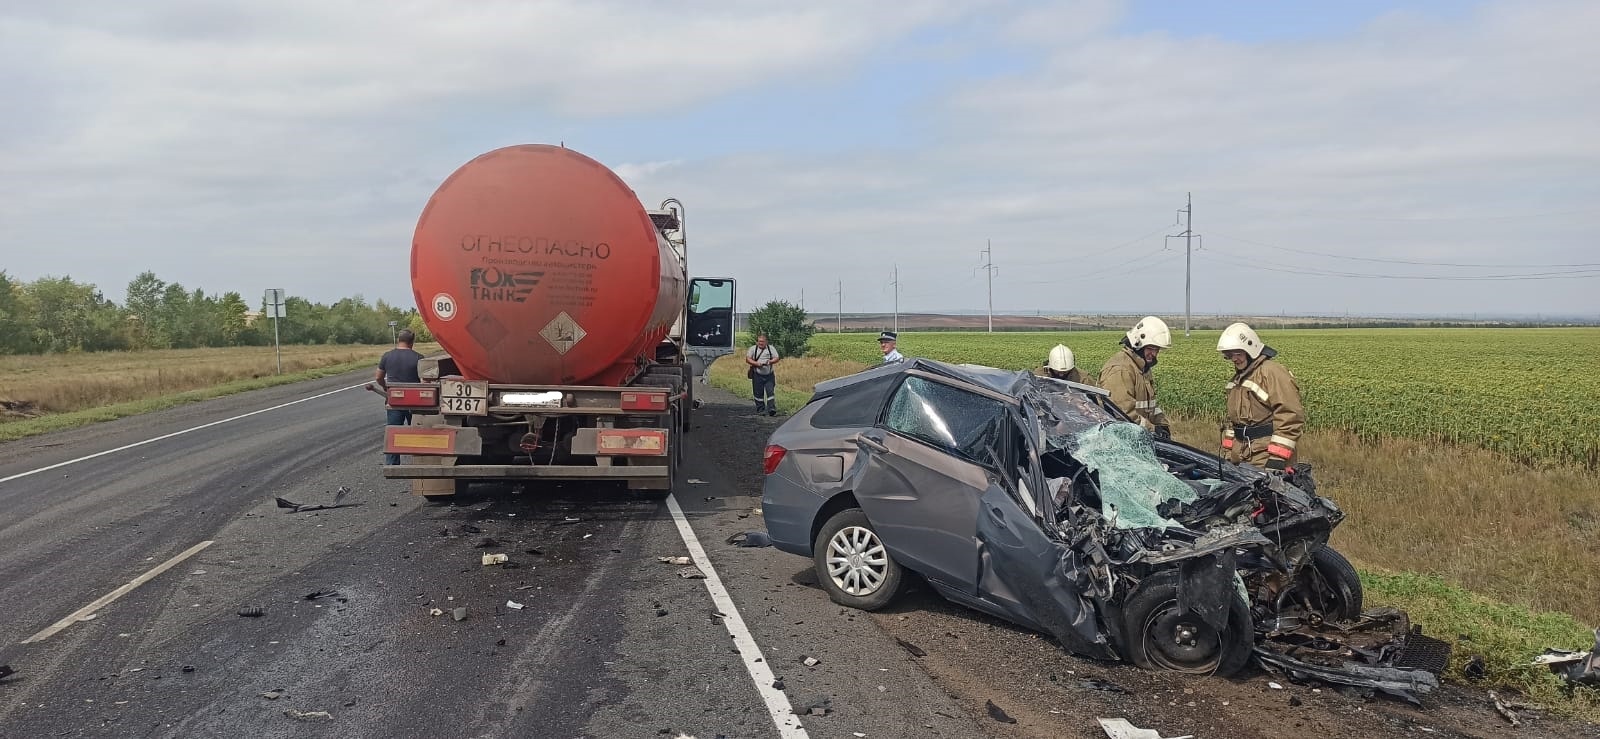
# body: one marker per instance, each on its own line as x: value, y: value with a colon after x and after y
x: 1163, y: 636
x: 852, y: 563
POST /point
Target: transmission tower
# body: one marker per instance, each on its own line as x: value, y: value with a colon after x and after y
x: 988, y: 267
x: 1188, y: 236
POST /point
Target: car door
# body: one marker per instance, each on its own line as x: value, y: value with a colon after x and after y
x: 1031, y: 574
x: 928, y: 462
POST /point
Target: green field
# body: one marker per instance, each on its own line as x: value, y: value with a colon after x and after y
x: 1531, y: 394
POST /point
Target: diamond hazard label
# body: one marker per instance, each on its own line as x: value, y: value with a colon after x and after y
x: 562, y: 332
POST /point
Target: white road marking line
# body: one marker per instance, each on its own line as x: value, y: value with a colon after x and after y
x: 105, y: 600
x: 778, y: 707
x: 58, y: 465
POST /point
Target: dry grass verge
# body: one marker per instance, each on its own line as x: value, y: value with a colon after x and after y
x: 1470, y: 542
x: 53, y: 392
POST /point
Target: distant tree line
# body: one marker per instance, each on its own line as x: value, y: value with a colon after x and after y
x: 59, y: 314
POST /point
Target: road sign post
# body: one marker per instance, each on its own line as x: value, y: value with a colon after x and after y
x: 275, y: 303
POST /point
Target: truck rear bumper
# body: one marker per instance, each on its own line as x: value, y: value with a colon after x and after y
x: 638, y: 477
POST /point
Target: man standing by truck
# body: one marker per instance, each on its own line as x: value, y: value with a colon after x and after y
x: 763, y: 383
x: 397, y: 365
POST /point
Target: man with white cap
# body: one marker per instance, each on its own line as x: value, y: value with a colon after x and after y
x: 886, y: 344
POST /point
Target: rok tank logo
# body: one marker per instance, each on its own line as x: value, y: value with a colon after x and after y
x: 495, y: 284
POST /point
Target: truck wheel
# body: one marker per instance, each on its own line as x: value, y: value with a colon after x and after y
x: 1164, y: 637
x: 852, y: 563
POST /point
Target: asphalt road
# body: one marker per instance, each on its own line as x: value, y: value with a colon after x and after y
x: 609, y: 643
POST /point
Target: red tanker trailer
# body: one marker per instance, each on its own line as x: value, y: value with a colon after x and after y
x: 572, y: 332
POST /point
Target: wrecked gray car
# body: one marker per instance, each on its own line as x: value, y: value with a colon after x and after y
x: 1036, y: 501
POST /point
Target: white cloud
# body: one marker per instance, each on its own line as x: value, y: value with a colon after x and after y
x: 296, y: 142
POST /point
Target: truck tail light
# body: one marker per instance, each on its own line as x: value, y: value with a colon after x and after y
x: 413, y: 397
x: 771, y: 457
x: 632, y: 401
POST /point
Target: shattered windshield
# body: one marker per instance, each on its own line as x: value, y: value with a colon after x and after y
x: 1132, y: 481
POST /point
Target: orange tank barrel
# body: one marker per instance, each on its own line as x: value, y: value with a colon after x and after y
x: 536, y: 265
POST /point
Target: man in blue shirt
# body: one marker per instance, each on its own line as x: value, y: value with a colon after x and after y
x: 398, y: 365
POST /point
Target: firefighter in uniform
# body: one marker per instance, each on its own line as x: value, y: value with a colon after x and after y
x: 1126, y: 375
x: 1061, y: 366
x: 1265, y: 415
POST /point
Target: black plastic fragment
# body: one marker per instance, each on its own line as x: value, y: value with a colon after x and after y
x: 997, y: 714
x: 252, y: 612
x: 915, y: 650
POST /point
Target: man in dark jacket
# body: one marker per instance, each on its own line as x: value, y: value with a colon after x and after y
x: 397, y: 365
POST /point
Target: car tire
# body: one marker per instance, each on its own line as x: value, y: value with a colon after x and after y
x: 1161, y: 637
x: 1343, y: 584
x: 872, y: 579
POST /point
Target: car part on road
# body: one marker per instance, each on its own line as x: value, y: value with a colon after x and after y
x: 338, y: 502
x: 459, y: 614
x: 320, y: 594
x: 1121, y: 728
x: 852, y: 564
x: 996, y: 713
x: 495, y: 559
x: 252, y: 612
x: 6, y: 671
x: 915, y: 650
x: 750, y: 539
x: 515, y: 606
x: 1039, y: 502
x: 309, y: 715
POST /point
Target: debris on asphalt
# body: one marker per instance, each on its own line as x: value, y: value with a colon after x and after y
x: 273, y: 695
x: 459, y: 614
x: 90, y: 617
x: 309, y: 715
x: 252, y: 612
x: 1295, y: 702
x: 188, y: 668
x: 819, y: 707
x: 435, y: 613
x: 319, y: 594
x: 674, y: 560
x: 533, y: 552
x: 338, y: 502
x: 567, y: 521
x: 1577, y: 668
x: 515, y: 606
x: 661, y: 612
x: 6, y: 671
x: 495, y: 559
x: 1119, y: 728
x: 750, y: 539
x: 997, y: 714
x: 1275, y: 686
x: 811, y: 661
x: 488, y: 542
x: 1094, y: 683
x: 697, y: 481
x: 777, y: 684
x: 468, y: 528
x: 587, y: 535
x: 500, y: 643
x: 691, y: 573
x: 915, y: 650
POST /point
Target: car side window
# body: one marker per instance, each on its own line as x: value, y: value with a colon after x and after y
x: 949, y: 418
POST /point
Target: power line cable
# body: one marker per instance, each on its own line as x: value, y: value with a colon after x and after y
x: 1239, y: 261
x: 1415, y: 262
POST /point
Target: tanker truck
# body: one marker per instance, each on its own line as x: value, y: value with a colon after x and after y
x: 572, y: 334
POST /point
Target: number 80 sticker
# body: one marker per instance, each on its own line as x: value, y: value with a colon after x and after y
x: 444, y: 307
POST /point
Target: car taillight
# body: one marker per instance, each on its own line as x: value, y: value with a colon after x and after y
x: 771, y: 458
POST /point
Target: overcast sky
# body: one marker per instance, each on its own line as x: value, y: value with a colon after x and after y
x: 293, y: 144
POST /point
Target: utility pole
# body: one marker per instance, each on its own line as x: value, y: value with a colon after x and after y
x: 896, y: 283
x: 838, y: 318
x: 1188, y: 237
x: 988, y: 267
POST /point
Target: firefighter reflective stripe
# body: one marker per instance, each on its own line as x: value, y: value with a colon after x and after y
x: 1155, y: 410
x: 1254, y: 388
x: 1278, y: 450
x: 1282, y: 441
x: 1142, y: 404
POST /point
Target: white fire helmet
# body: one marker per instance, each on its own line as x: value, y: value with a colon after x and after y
x: 1060, y: 359
x: 1150, y: 331
x: 1241, y: 337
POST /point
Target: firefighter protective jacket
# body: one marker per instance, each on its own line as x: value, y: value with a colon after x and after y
x: 1127, y: 377
x: 1265, y: 413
